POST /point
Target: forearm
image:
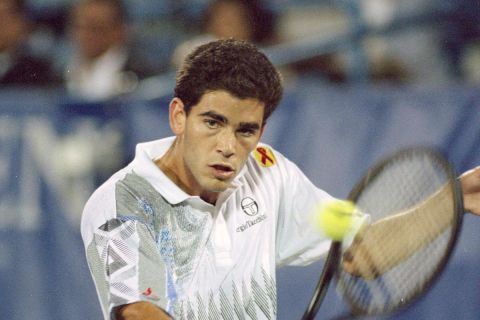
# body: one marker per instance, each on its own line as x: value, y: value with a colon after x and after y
x: 390, y: 241
x: 140, y: 311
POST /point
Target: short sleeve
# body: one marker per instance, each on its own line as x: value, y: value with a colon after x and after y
x: 298, y: 242
x: 126, y: 265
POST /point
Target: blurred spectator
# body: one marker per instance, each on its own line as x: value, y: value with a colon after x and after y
x: 408, y: 52
x: 321, y: 22
x: 409, y: 55
x: 246, y: 20
x: 240, y: 19
x: 104, y: 64
x: 18, y: 66
x: 461, y: 39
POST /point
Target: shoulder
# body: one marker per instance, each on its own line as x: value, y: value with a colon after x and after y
x: 266, y: 158
x: 100, y: 207
x: 267, y: 163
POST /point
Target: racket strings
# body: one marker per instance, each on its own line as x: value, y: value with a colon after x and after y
x: 411, y: 210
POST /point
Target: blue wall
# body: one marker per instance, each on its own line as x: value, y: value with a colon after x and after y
x: 54, y: 151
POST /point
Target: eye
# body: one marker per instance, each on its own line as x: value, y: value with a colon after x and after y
x: 212, y: 123
x: 247, y: 132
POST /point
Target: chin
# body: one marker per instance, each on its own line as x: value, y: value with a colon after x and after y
x: 219, y: 186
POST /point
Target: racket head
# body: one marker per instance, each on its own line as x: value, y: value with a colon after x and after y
x: 397, y: 183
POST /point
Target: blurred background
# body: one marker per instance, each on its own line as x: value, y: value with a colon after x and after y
x: 81, y: 82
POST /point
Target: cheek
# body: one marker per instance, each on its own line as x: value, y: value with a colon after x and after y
x: 198, y: 137
x: 245, y: 148
x: 197, y: 147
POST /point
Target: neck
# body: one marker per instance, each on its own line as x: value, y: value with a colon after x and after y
x: 168, y: 164
x: 173, y: 167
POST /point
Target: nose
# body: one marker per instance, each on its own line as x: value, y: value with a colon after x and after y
x: 226, y: 143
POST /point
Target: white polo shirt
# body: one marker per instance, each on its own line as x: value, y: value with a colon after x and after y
x: 147, y: 240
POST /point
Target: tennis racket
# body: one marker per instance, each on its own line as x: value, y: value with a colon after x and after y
x: 415, y: 204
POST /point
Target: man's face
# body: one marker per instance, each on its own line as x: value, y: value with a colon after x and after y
x: 230, y: 20
x: 95, y: 29
x: 13, y: 26
x: 218, y: 136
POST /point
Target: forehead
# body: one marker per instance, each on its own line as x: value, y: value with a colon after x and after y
x: 230, y: 106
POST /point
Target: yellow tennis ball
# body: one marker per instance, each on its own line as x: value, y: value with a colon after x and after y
x: 335, y: 218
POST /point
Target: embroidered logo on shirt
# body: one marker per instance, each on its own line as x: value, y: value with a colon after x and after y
x: 249, y: 206
x: 264, y: 156
x: 251, y: 223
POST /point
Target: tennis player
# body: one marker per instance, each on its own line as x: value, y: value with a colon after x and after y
x: 195, y: 226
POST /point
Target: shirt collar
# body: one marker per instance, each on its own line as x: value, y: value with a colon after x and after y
x: 144, y: 165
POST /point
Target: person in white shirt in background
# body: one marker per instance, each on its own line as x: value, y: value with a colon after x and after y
x: 19, y: 64
x: 102, y: 64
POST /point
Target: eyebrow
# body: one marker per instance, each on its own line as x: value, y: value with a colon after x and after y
x: 221, y: 118
x: 249, y: 126
x: 215, y: 116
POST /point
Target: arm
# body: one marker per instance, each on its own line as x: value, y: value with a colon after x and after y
x: 386, y: 243
x: 390, y: 241
x: 140, y: 310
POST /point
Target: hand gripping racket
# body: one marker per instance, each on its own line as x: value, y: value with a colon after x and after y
x: 415, y: 204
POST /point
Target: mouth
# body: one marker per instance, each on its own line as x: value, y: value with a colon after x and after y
x: 222, y: 171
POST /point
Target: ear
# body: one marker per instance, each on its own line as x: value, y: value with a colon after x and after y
x: 177, y: 116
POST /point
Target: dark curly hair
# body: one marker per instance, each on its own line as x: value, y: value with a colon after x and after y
x: 232, y: 65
